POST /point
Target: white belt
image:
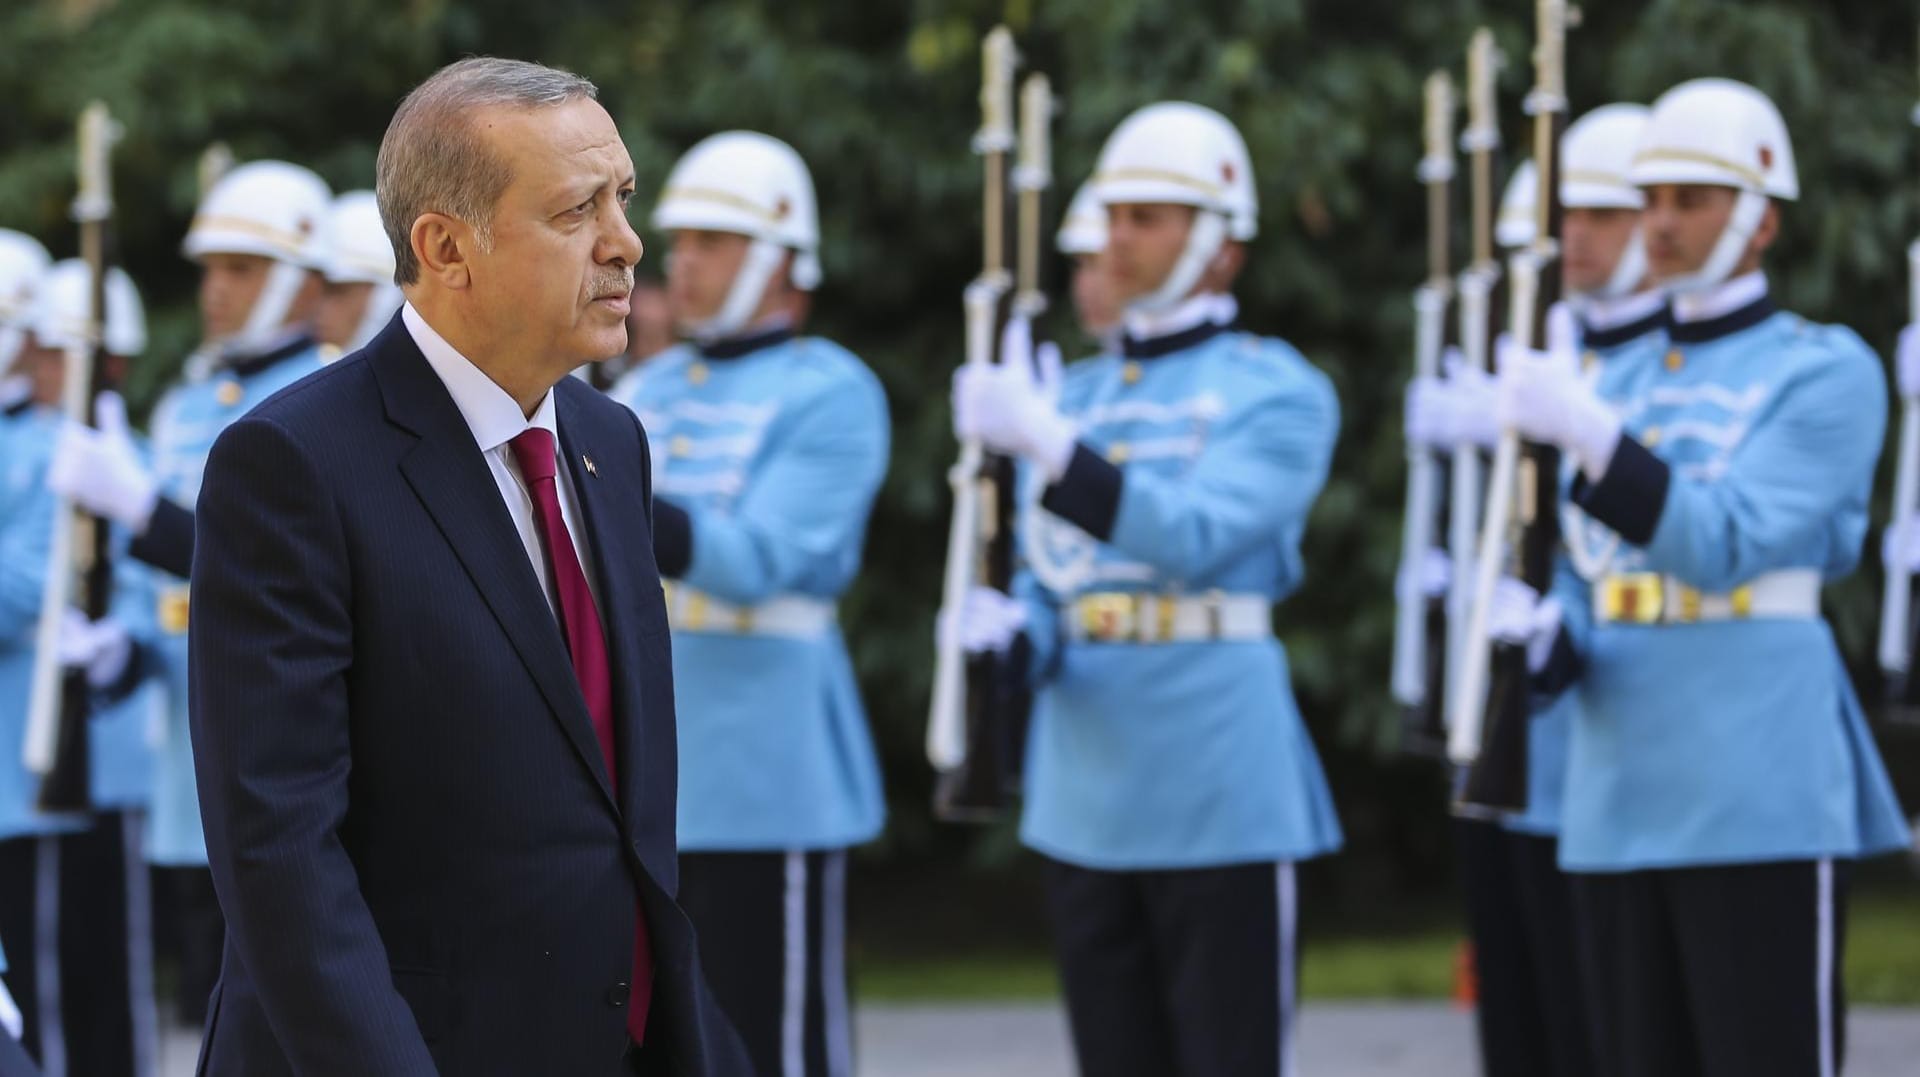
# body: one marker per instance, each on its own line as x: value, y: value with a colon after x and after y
x: 1131, y: 617
x: 1650, y: 598
x: 788, y: 616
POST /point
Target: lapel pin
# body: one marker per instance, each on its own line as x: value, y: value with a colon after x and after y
x: 588, y: 461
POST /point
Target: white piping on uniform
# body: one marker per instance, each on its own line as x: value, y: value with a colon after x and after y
x: 1823, y: 963
x: 793, y: 1013
x: 1287, y: 900
x: 46, y: 951
x: 833, y: 966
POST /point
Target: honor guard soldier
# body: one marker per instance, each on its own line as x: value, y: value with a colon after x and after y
x: 1531, y: 998
x: 1721, y: 774
x: 73, y: 888
x: 769, y: 448
x: 1083, y: 238
x: 354, y: 258
x: 23, y: 262
x: 253, y: 239
x: 1171, y: 785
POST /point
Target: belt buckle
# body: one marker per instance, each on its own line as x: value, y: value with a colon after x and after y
x: 1635, y: 598
x: 1689, y: 605
x: 694, y: 611
x: 1742, y: 602
x: 171, y: 610
x: 1109, y: 617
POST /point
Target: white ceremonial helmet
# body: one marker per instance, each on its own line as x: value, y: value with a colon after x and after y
x: 1719, y: 133
x: 271, y: 209
x: 753, y: 185
x: 1084, y: 228
x: 1514, y: 227
x: 23, y: 266
x: 1188, y: 155
x: 1596, y: 155
x: 63, y: 315
x: 352, y: 247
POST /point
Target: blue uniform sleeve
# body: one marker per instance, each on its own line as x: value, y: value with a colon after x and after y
x: 1806, y: 460
x: 271, y: 645
x: 805, y: 510
x: 1045, y: 631
x: 26, y: 540
x: 1570, y: 647
x: 1255, y: 481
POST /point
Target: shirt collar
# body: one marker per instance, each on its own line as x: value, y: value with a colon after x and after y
x: 1734, y: 295
x: 1606, y: 314
x: 1217, y: 308
x: 492, y: 415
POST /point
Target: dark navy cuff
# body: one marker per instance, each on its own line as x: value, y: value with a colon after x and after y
x: 167, y: 543
x: 1631, y: 495
x: 672, y: 538
x: 1088, y: 495
x: 142, y: 663
x: 1564, y: 666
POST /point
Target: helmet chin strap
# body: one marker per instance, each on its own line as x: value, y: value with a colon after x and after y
x: 1747, y: 212
x: 266, y: 322
x: 744, y: 295
x: 1629, y: 272
x: 381, y: 303
x: 1203, y: 242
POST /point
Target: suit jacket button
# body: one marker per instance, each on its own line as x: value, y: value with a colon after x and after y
x: 617, y: 994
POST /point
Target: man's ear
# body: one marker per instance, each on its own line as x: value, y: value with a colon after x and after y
x: 1767, y: 232
x: 443, y: 246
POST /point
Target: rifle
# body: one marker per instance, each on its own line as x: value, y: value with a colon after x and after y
x: 970, y: 729
x: 1897, y: 635
x: 1420, y: 625
x: 79, y: 565
x: 1522, y: 526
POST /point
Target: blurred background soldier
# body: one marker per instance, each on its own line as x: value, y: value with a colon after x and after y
x: 768, y: 450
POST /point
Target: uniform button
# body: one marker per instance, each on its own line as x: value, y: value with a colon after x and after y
x: 617, y: 994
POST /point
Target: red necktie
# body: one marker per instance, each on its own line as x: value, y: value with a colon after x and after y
x: 533, y: 449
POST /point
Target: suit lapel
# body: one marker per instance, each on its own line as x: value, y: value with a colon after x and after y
x: 451, y: 478
x: 609, y: 529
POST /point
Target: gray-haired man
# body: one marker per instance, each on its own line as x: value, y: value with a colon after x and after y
x: 432, y: 692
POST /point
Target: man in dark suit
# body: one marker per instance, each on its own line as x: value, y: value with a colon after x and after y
x: 432, y: 704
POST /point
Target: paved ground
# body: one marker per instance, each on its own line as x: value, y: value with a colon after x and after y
x: 1336, y: 1040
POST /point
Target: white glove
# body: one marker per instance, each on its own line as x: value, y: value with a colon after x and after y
x: 1909, y: 561
x: 1543, y: 396
x: 101, y: 471
x: 1012, y: 406
x: 1428, y: 577
x: 1455, y: 411
x: 986, y: 621
x: 102, y: 648
x: 1520, y: 616
x: 1906, y: 362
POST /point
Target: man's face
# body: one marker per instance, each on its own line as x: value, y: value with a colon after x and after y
x: 1593, y: 241
x: 700, y: 271
x: 229, y: 286
x: 1144, y: 241
x: 46, y: 368
x: 1093, y: 295
x: 556, y: 280
x: 650, y: 326
x: 1683, y: 222
x: 341, y: 309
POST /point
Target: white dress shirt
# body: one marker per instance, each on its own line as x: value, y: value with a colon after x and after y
x: 496, y: 419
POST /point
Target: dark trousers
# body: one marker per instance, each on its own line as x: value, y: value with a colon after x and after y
x: 1532, y: 1013
x: 1188, y: 973
x: 74, y: 914
x: 772, y: 931
x: 193, y: 934
x: 1718, y: 971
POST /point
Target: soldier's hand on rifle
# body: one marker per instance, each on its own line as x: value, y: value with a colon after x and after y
x: 100, y: 648
x: 1455, y: 411
x: 1521, y: 617
x: 1906, y: 364
x: 100, y: 470
x: 1891, y: 556
x: 1543, y: 396
x: 1012, y: 406
x: 1428, y: 576
x: 987, y: 620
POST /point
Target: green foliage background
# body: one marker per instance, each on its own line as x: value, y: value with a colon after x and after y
x: 879, y: 97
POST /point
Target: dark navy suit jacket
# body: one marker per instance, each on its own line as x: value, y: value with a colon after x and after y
x: 422, y: 862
